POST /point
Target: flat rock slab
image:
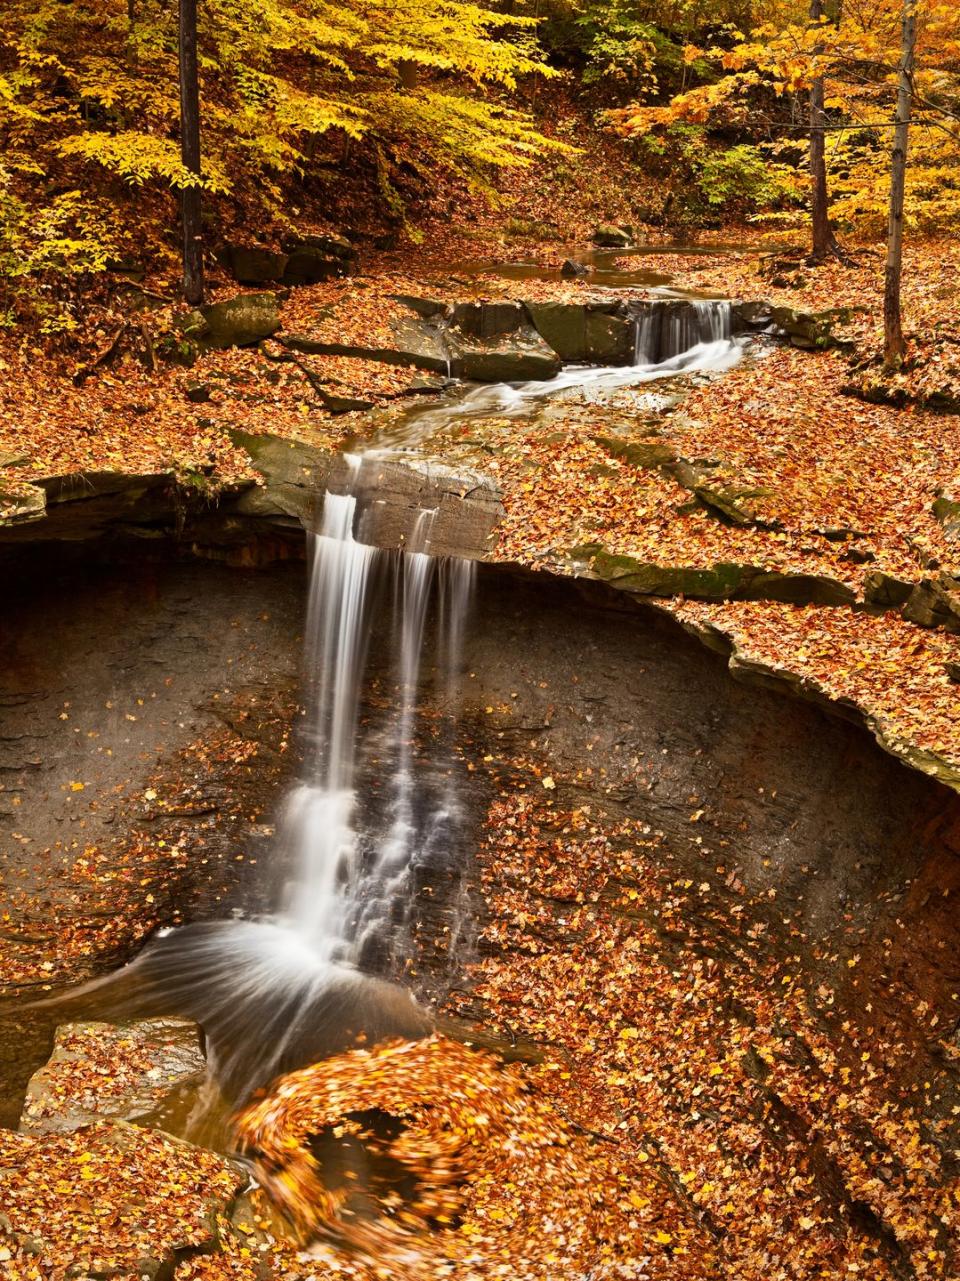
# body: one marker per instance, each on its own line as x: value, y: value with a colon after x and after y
x: 99, y: 1071
x: 422, y: 505
x: 721, y: 581
x: 110, y: 1200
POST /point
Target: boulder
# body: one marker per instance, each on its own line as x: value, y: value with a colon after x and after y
x: 103, y: 1072
x: 330, y: 244
x: 805, y: 329
x: 495, y: 342
x: 609, y: 236
x: 935, y: 603
x: 394, y: 493
x: 308, y: 266
x: 521, y: 356
x: 585, y: 333
x: 571, y: 270
x: 488, y: 319
x: 295, y: 474
x: 28, y: 503
x: 946, y: 510
x: 885, y: 591
x: 482, y: 342
x: 303, y: 260
x: 238, y: 322
x: 253, y: 265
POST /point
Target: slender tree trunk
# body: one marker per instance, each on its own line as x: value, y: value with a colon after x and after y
x: 894, y: 346
x: 824, y: 242
x: 190, y: 153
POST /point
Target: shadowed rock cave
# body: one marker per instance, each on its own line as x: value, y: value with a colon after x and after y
x: 180, y: 679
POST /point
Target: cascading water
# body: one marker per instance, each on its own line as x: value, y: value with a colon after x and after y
x: 671, y: 337
x: 351, y: 881
x: 371, y: 811
x: 665, y: 329
x: 376, y: 809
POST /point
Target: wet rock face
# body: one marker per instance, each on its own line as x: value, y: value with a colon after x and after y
x: 146, y: 709
x: 858, y: 856
x: 420, y: 505
x: 100, y: 1072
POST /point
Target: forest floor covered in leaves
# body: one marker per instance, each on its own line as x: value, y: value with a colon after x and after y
x: 721, y: 1119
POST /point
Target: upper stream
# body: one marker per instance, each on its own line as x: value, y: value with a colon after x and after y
x: 668, y: 342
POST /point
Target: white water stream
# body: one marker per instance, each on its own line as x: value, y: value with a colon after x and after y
x: 669, y: 340
x: 351, y: 871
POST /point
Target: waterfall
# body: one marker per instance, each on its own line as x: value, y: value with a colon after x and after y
x: 687, y: 325
x: 375, y: 810
x: 351, y: 873
x: 376, y: 820
x: 646, y: 341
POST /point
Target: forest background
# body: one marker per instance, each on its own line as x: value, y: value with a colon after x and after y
x: 791, y: 117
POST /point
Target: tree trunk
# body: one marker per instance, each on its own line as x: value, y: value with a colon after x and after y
x: 894, y: 346
x: 824, y: 242
x: 190, y: 153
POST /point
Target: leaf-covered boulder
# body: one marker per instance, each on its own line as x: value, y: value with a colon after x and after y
x: 609, y: 236
x: 102, y: 1071
x: 239, y: 322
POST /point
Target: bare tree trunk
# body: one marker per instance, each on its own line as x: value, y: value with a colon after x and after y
x: 894, y: 346
x: 824, y: 241
x: 190, y: 153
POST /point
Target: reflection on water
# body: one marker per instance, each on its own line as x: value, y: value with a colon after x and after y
x: 602, y: 266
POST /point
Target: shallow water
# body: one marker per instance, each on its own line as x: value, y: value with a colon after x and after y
x: 603, y: 269
x: 476, y: 402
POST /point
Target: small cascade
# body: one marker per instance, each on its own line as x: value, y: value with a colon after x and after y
x: 646, y: 342
x: 671, y: 336
x: 668, y: 328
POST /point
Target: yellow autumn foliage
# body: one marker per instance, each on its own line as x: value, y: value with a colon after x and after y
x: 856, y: 54
x: 89, y: 103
